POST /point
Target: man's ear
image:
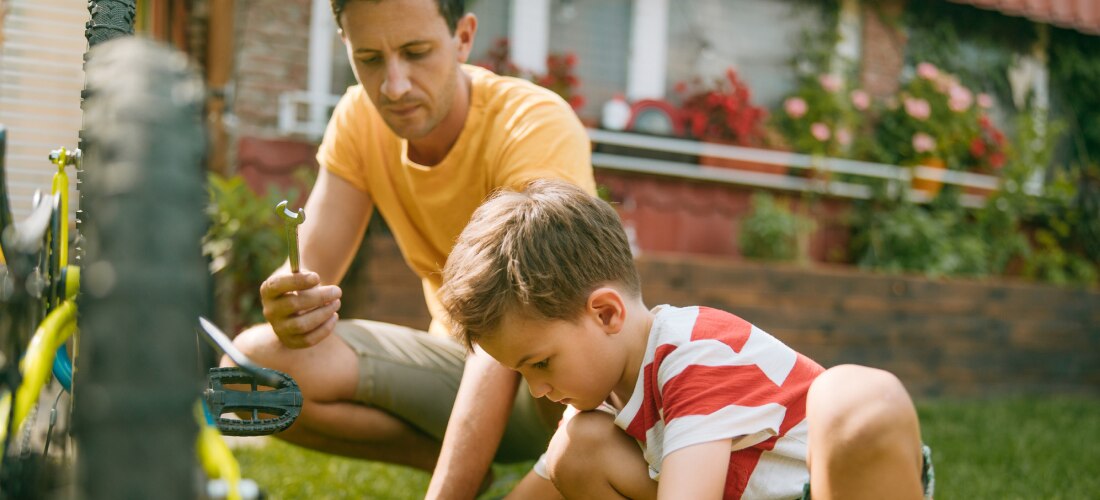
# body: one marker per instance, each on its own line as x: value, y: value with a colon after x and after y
x: 607, y: 307
x: 465, y: 31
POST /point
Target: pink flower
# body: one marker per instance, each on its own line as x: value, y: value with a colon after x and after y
x: 820, y: 131
x: 928, y: 71
x: 796, y: 107
x: 985, y: 101
x: 861, y: 99
x: 844, y: 137
x: 923, y: 143
x: 831, y: 83
x: 918, y: 108
x: 959, y: 98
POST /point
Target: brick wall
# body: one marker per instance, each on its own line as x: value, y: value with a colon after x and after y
x: 272, y: 57
x: 942, y: 338
x: 883, y: 50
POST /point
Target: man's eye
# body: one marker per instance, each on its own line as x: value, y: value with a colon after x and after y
x: 371, y: 60
x: 416, y: 54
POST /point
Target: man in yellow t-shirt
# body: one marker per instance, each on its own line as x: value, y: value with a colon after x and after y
x: 424, y: 139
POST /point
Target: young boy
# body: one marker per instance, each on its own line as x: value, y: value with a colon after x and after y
x: 544, y: 282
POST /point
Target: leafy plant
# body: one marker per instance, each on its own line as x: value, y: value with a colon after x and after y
x: 935, y: 116
x: 823, y: 117
x: 246, y: 243
x: 560, y: 74
x: 771, y: 231
x: 722, y: 111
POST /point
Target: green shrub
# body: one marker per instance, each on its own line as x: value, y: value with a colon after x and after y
x: 246, y: 243
x: 771, y: 231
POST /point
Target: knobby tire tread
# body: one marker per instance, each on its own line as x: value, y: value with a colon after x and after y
x: 144, y: 278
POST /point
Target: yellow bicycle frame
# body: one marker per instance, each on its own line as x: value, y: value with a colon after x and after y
x: 60, y: 324
x: 216, y: 458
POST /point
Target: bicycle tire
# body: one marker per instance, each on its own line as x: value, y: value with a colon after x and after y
x: 109, y: 19
x: 145, y: 278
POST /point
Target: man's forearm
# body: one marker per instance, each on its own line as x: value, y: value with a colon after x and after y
x: 480, y: 414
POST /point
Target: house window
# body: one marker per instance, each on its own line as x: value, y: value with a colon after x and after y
x: 757, y: 38
x: 598, y: 32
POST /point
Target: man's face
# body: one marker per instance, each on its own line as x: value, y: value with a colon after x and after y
x: 406, y: 58
x: 571, y: 362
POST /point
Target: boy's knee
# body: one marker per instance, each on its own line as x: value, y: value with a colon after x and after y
x: 861, y: 406
x: 574, y: 451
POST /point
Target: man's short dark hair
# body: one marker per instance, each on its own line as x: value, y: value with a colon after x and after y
x: 451, y: 10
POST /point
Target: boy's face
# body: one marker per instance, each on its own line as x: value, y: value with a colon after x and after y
x: 569, y: 362
x: 406, y: 58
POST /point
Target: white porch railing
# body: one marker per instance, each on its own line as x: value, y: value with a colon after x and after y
x: 903, y: 176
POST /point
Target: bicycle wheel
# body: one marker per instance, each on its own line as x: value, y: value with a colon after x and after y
x: 145, y: 278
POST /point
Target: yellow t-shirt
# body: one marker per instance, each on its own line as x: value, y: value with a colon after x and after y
x: 515, y: 132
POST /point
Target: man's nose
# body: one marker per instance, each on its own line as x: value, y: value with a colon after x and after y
x: 397, y: 82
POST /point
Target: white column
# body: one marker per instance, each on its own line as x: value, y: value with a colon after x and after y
x: 322, y: 29
x: 529, y: 33
x: 648, y: 50
x: 850, y: 27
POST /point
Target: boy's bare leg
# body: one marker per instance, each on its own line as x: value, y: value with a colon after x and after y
x: 864, y: 436
x: 534, y: 487
x: 589, y: 457
x: 331, y: 420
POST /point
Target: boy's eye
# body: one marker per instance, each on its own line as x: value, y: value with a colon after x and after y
x: 541, y: 365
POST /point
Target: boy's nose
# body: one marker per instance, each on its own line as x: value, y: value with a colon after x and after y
x: 538, y: 390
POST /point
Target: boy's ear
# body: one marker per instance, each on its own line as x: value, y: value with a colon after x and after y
x: 608, y: 308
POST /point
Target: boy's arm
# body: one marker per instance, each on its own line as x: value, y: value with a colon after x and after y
x: 697, y: 471
x: 481, y: 411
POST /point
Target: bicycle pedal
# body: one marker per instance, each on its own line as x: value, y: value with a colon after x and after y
x: 282, y: 400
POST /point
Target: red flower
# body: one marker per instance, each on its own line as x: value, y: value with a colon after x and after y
x: 977, y: 147
x: 997, y: 160
x: 723, y: 111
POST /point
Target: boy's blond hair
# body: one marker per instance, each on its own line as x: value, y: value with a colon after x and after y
x: 539, y: 252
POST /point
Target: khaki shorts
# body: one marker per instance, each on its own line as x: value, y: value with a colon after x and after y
x: 415, y: 376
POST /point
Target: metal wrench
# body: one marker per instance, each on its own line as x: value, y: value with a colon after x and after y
x: 291, y: 220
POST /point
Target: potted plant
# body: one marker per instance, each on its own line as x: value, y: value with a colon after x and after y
x: 937, y: 122
x: 560, y: 71
x: 823, y: 117
x: 722, y: 112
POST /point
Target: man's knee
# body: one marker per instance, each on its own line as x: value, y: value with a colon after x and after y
x: 860, y: 408
x: 260, y: 344
x: 328, y: 371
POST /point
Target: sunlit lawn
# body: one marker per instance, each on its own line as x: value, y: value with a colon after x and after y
x: 1001, y: 449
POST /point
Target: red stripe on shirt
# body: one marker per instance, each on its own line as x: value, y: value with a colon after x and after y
x: 702, y: 390
x: 721, y: 326
x: 802, y: 375
x: 648, y: 412
x: 742, y: 464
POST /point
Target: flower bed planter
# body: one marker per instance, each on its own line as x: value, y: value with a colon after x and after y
x: 750, y: 166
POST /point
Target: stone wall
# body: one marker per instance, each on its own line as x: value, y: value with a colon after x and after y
x: 942, y: 338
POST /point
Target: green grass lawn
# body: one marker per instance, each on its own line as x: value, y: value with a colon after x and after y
x: 1000, y: 449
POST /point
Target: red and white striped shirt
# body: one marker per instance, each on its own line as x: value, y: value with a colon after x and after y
x: 709, y: 375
